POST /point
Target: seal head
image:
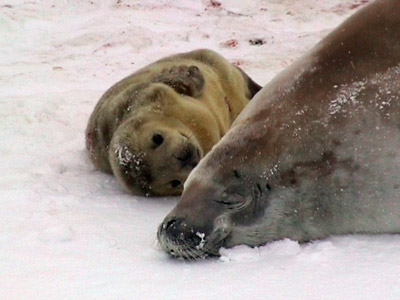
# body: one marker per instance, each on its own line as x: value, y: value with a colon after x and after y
x: 153, y: 127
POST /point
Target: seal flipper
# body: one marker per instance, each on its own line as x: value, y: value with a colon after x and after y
x: 251, y: 84
x: 186, y: 80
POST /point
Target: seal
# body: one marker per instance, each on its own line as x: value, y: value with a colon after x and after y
x: 153, y: 127
x: 316, y: 153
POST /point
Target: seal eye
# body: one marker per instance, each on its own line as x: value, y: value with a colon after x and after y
x: 175, y: 183
x: 158, y: 139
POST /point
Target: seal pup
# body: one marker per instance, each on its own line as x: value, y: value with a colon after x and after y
x: 153, y: 127
x: 316, y: 153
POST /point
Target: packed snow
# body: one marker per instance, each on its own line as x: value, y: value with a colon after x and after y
x: 68, y: 231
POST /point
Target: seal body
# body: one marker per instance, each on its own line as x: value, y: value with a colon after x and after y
x: 152, y: 128
x: 316, y: 153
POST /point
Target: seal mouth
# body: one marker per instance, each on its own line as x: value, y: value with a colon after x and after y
x: 198, y: 246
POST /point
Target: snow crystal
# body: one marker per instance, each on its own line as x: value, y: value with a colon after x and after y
x: 202, y: 240
x: 125, y: 157
x: 346, y: 97
x: 128, y: 159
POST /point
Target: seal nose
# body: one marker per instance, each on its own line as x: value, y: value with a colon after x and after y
x: 173, y: 229
x: 189, y: 156
x: 186, y: 155
x: 171, y: 225
x: 177, y: 230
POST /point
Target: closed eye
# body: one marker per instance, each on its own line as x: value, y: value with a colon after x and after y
x: 234, y: 201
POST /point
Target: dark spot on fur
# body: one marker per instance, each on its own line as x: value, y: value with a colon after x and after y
x: 120, y: 114
x: 106, y: 133
x: 259, y: 187
x: 236, y: 173
x: 322, y: 167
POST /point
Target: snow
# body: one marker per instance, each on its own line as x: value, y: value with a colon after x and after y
x: 346, y: 97
x: 68, y: 231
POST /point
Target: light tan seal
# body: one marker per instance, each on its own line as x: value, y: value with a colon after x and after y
x: 152, y: 128
x: 316, y: 153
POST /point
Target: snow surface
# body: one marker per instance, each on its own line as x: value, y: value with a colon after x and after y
x: 68, y: 231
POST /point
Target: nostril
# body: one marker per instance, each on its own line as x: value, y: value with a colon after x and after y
x: 186, y: 155
x: 176, y: 230
x: 170, y: 223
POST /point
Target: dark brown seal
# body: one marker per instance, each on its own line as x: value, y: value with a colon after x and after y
x: 316, y: 153
x: 152, y: 128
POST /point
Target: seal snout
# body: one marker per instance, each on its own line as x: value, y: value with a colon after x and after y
x: 182, y: 240
x: 189, y: 156
x: 179, y: 232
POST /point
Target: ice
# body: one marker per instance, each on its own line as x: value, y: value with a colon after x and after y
x: 68, y: 231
